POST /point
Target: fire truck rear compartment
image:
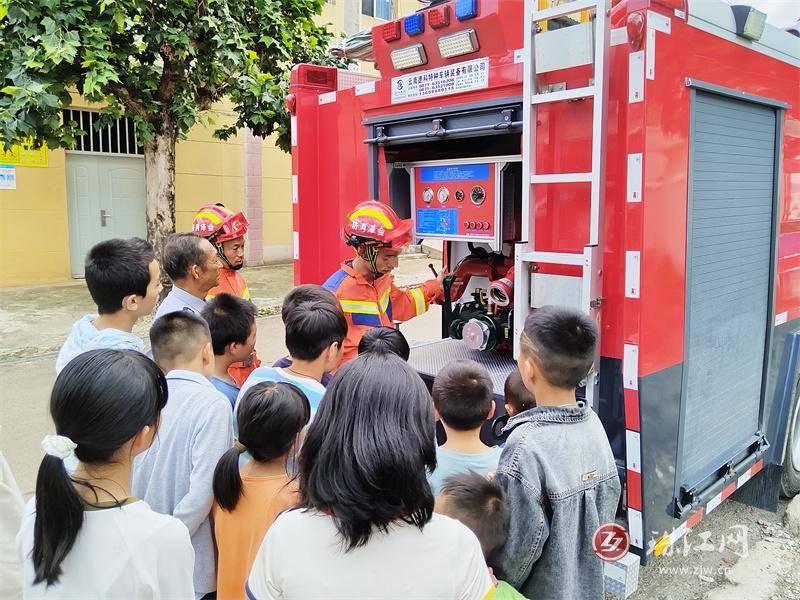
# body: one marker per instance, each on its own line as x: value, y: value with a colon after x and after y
x: 483, y: 133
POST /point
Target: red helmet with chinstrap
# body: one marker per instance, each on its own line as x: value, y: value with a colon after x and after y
x: 219, y: 224
x: 373, y: 223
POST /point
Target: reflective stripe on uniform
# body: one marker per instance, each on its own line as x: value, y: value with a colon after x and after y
x: 419, y: 300
x: 246, y: 294
x: 362, y: 312
x: 359, y: 307
x: 385, y: 299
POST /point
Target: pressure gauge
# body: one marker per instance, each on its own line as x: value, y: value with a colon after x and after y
x: 477, y: 195
x: 442, y: 195
x: 427, y: 195
x: 459, y: 195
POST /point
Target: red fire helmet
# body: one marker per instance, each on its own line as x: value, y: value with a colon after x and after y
x: 375, y: 223
x: 219, y: 224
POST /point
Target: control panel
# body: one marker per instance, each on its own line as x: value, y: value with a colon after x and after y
x: 456, y: 201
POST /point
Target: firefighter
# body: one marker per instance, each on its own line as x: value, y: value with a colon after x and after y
x: 364, y: 287
x: 225, y: 230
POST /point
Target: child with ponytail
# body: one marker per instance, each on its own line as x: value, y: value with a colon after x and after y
x: 85, y: 535
x: 270, y: 418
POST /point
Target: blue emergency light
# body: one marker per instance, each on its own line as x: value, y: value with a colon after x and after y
x: 466, y: 9
x: 414, y: 24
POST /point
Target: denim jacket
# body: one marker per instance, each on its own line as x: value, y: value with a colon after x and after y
x: 561, y: 484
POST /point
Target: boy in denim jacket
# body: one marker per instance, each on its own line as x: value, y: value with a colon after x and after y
x: 557, y: 468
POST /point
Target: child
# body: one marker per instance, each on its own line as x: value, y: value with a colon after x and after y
x: 232, y: 323
x: 517, y: 397
x: 385, y: 339
x: 175, y: 475
x: 11, y: 506
x: 270, y: 418
x: 308, y: 292
x: 124, y: 280
x: 480, y: 504
x: 462, y: 396
x: 87, y: 536
x: 557, y: 469
x: 315, y: 332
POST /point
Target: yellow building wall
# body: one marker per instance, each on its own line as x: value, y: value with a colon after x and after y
x: 34, y: 242
x: 208, y: 170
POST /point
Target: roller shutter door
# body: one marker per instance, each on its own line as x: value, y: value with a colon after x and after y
x: 729, y: 250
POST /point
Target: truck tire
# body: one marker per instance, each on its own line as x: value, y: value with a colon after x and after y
x: 790, y: 478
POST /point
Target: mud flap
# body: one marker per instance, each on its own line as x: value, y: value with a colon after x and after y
x: 763, y: 491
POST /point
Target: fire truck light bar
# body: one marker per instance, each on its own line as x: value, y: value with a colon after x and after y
x: 466, y: 9
x: 414, y: 24
x: 410, y: 56
x: 439, y: 16
x: 390, y: 31
x: 456, y: 44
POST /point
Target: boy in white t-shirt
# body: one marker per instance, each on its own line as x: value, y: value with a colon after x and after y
x: 124, y: 279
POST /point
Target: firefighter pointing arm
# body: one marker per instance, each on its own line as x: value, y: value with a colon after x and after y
x: 364, y: 286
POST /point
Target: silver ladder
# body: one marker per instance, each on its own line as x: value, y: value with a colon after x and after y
x: 525, y: 252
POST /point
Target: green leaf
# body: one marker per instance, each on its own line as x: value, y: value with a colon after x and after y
x: 119, y: 19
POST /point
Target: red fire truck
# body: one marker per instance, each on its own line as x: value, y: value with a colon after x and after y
x: 639, y: 160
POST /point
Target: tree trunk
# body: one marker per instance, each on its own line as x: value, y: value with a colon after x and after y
x: 159, y: 173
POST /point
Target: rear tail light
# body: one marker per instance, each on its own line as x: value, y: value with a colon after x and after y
x: 408, y: 57
x: 319, y: 77
x: 414, y: 24
x: 390, y: 31
x: 466, y: 9
x: 456, y: 44
x: 439, y: 16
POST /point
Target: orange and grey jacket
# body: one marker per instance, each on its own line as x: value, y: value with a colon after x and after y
x: 231, y: 282
x: 373, y: 304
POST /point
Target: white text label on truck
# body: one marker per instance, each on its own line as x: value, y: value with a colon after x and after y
x: 458, y: 77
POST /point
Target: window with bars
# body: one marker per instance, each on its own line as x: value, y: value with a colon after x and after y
x: 118, y: 137
x: 380, y: 9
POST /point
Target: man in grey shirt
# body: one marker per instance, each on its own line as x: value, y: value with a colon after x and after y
x: 193, y: 266
x: 175, y: 475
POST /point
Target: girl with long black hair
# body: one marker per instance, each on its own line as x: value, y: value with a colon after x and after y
x: 85, y: 535
x: 270, y: 418
x: 365, y: 527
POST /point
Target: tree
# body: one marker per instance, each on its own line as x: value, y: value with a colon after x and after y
x: 162, y: 63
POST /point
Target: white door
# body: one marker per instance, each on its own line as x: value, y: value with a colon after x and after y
x: 106, y: 198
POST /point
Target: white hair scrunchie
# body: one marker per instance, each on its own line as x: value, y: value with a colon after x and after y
x: 58, y: 445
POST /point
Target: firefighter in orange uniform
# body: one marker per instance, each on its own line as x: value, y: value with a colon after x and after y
x: 225, y: 230
x: 364, y: 287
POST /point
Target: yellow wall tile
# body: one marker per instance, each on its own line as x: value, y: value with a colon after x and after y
x: 232, y: 160
x: 276, y: 195
x: 39, y: 205
x: 192, y: 191
x: 275, y: 162
x: 278, y: 229
x: 202, y: 158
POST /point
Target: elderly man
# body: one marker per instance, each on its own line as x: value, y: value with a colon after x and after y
x: 193, y: 266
